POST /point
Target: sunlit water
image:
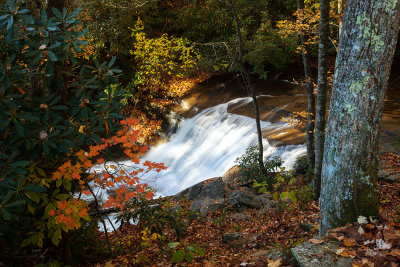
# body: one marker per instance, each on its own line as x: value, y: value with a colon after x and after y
x: 207, y: 145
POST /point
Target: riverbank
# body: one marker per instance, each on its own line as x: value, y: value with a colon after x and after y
x: 262, y: 236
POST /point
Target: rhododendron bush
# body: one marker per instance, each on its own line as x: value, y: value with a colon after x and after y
x: 59, y: 116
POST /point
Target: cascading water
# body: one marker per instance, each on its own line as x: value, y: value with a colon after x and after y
x: 207, y: 145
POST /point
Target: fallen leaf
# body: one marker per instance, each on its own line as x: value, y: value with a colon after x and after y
x: 381, y: 244
x: 362, y: 220
x: 361, y: 230
x: 318, y: 255
x: 276, y: 263
x: 370, y: 253
x: 395, y: 253
x: 349, y: 242
x: 316, y: 241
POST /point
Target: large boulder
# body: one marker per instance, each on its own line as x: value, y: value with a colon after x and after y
x: 213, y: 189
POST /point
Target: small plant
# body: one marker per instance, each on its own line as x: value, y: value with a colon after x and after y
x: 249, y: 167
x: 155, y: 217
x: 305, y: 195
x: 186, y: 253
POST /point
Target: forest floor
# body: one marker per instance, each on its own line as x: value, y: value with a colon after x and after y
x: 260, y: 238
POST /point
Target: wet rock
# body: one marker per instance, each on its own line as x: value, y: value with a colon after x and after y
x: 230, y: 237
x: 240, y: 217
x: 319, y: 255
x: 244, y: 199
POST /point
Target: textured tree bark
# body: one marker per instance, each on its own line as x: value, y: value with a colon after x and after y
x: 250, y: 87
x: 310, y: 95
x: 366, y: 48
x: 321, y: 94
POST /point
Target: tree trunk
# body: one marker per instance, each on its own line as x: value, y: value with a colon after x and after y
x: 250, y: 87
x: 321, y: 94
x: 340, y: 11
x: 310, y: 94
x: 366, y: 48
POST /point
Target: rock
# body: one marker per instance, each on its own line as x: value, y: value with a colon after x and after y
x: 207, y: 205
x: 229, y: 237
x: 269, y: 205
x: 194, y: 191
x: 213, y: 189
x: 232, y: 176
x: 241, y: 198
x: 265, y: 198
x: 189, y: 193
x: 319, y: 255
x: 240, y: 217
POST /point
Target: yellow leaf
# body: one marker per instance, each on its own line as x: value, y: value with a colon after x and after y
x: 81, y: 129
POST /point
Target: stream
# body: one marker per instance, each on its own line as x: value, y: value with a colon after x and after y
x: 218, y: 127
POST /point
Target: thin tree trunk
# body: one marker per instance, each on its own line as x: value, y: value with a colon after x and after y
x: 321, y: 94
x: 340, y: 11
x: 310, y: 94
x: 250, y: 87
x: 366, y: 48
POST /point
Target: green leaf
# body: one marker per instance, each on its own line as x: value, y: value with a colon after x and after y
x: 178, y: 256
x: 21, y: 163
x: 59, y: 182
x: 198, y: 250
x: 26, y: 242
x: 6, y: 215
x: 10, y: 22
x: 15, y: 204
x: 18, y: 127
x: 35, y: 188
x: 173, y: 245
x: 52, y: 56
x: 189, y: 256
x: 112, y: 61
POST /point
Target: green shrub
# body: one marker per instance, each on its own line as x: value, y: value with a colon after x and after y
x: 152, y: 216
x: 51, y: 105
x: 305, y: 195
x: 249, y: 167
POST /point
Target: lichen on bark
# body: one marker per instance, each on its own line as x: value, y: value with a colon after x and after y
x: 368, y: 41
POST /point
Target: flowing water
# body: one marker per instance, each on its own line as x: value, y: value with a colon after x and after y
x: 208, y: 144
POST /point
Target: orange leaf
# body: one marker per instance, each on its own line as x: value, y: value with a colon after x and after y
x: 21, y: 90
x: 349, y: 242
x: 106, y: 123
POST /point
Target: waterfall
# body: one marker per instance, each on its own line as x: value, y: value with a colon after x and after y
x: 208, y: 144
